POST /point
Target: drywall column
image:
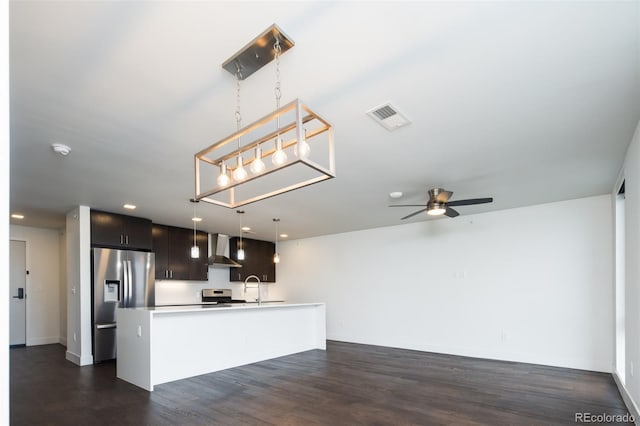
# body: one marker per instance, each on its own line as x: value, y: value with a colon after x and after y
x: 631, y: 389
x: 79, y: 286
x: 62, y: 300
x: 4, y: 212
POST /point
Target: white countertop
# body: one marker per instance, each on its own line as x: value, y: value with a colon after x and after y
x: 223, y: 307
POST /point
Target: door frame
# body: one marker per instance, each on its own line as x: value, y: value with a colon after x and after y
x: 26, y: 283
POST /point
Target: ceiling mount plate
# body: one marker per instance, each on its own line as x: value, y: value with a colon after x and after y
x: 258, y: 53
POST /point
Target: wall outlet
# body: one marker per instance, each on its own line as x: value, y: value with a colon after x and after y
x: 631, y: 368
x: 75, y: 338
x: 503, y: 336
x: 139, y: 332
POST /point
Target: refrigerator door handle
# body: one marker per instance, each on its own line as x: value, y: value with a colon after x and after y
x: 129, y: 268
x: 125, y: 284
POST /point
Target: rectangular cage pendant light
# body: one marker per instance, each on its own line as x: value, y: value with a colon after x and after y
x: 288, y: 149
x: 298, y: 125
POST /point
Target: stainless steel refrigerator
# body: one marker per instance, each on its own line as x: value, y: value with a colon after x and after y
x: 121, y: 278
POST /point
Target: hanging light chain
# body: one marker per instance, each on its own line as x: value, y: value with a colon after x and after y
x: 277, y: 50
x: 238, y: 114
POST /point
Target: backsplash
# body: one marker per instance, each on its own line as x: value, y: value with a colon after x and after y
x: 170, y: 292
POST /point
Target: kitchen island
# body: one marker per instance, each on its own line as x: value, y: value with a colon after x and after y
x: 161, y: 344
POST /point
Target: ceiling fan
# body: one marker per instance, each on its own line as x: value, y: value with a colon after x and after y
x: 439, y: 204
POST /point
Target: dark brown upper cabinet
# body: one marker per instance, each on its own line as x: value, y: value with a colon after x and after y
x: 258, y: 260
x: 120, y: 231
x: 172, y: 246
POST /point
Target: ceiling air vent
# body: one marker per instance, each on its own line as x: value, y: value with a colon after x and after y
x: 388, y: 116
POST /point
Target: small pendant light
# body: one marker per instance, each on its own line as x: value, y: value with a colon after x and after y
x: 240, y: 246
x: 195, y: 250
x: 276, y: 256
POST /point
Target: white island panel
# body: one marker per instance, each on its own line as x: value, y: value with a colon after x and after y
x: 185, y: 342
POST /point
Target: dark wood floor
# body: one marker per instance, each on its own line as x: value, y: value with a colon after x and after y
x: 349, y: 384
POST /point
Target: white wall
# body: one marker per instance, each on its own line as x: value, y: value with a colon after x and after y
x: 43, y: 285
x: 78, y: 237
x: 530, y: 284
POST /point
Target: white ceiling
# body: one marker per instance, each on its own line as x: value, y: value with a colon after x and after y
x: 526, y: 102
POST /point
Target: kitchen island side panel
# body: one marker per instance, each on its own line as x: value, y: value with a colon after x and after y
x: 134, y: 347
x: 187, y: 344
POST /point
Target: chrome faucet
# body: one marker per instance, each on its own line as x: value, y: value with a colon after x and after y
x: 259, y: 300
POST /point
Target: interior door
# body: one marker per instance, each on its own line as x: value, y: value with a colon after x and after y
x: 17, y: 293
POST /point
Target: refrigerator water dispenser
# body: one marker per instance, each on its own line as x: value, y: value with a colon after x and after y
x: 112, y: 291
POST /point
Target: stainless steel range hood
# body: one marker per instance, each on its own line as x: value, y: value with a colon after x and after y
x: 219, y: 249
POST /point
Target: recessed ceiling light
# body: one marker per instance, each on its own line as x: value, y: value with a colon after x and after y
x: 129, y: 207
x: 395, y: 194
x: 246, y: 228
x: 196, y: 219
x: 17, y: 216
x: 284, y: 235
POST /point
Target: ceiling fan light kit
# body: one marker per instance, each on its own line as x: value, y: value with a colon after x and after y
x: 299, y: 141
x: 436, y: 209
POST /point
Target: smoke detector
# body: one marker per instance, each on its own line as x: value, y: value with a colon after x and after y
x: 388, y: 116
x: 61, y: 149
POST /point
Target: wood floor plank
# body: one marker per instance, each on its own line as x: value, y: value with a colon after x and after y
x: 349, y: 384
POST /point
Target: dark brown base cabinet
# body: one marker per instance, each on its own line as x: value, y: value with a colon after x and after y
x: 258, y: 260
x: 113, y: 230
x: 172, y: 247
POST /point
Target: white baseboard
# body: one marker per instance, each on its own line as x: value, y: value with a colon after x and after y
x: 628, y: 400
x: 43, y: 341
x: 78, y: 360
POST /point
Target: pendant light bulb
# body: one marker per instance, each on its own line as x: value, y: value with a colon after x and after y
x: 240, y: 254
x: 223, y: 179
x: 195, y: 252
x: 276, y: 258
x: 302, y: 148
x: 239, y: 173
x: 279, y: 157
x: 257, y: 166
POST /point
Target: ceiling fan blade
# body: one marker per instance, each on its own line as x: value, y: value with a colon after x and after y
x: 443, y: 196
x: 408, y: 205
x: 413, y: 214
x: 451, y: 212
x: 470, y: 201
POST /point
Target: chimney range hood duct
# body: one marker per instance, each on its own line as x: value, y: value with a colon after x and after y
x: 220, y: 243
